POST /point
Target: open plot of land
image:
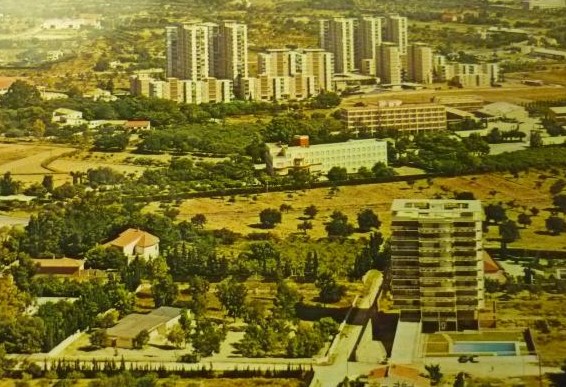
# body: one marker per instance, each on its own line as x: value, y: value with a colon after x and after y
x: 25, y: 162
x: 242, y: 216
x: 546, y: 317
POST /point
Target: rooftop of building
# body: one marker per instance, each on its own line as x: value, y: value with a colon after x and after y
x: 275, y: 147
x: 440, y: 207
x: 558, y: 109
x: 58, y: 262
x: 500, y: 108
x: 132, y: 235
x: 131, y: 325
x: 387, y: 104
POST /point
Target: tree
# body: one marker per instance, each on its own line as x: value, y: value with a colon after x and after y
x: 495, y: 213
x: 536, y: 139
x: 381, y: 170
x: 524, y: 220
x: 327, y: 327
x: 47, y: 183
x: 304, y: 226
x: 307, y: 342
x: 232, y: 295
x: 207, y: 337
x: 367, y: 219
x: 311, y: 211
x: 176, y: 335
x: 559, y: 201
x: 338, y: 227
x: 326, y: 100
x: 311, y: 266
x: 269, y: 217
x: 465, y: 195
x: 286, y: 299
x: 199, y: 220
x: 164, y: 291
x: 98, y: 338
x: 285, y: 207
x: 329, y: 289
x: 104, y: 258
x: 20, y: 95
x: 141, y: 339
x: 508, y: 232
x: 5, y: 363
x: 555, y: 224
x: 434, y: 373
x: 337, y: 174
x: 8, y: 186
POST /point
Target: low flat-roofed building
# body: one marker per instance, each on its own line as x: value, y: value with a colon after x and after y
x: 156, y: 323
x: 352, y: 155
x: 505, y: 110
x: 137, y: 125
x: 59, y: 266
x: 548, y: 53
x: 558, y: 114
x: 468, y: 103
x: 396, y: 116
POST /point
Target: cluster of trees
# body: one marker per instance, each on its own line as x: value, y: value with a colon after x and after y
x: 277, y: 333
x: 54, y: 322
x: 496, y: 136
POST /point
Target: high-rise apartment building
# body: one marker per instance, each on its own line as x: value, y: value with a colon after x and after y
x: 232, y: 60
x: 388, y: 64
x: 188, y: 55
x: 419, y: 63
x: 337, y: 37
x: 436, y: 262
x: 397, y: 32
x: 368, y: 37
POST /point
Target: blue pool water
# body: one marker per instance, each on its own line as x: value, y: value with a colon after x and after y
x: 501, y: 348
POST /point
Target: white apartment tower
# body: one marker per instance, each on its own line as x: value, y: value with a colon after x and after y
x: 397, y: 32
x: 388, y: 64
x: 419, y: 63
x: 188, y: 51
x: 337, y: 37
x: 436, y: 262
x: 368, y: 37
x: 232, y: 51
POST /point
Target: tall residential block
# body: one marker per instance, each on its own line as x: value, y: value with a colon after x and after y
x: 337, y: 37
x: 232, y: 60
x: 436, y: 262
x: 188, y: 55
x: 388, y: 64
x: 419, y: 63
x: 395, y: 116
x: 368, y: 37
x: 397, y: 32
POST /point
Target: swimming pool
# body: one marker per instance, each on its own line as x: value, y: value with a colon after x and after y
x: 500, y: 348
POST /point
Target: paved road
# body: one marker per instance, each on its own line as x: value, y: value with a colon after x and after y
x: 329, y: 375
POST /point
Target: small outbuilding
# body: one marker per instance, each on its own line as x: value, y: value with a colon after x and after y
x: 59, y: 266
x: 156, y: 323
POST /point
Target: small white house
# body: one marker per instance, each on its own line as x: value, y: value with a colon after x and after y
x: 64, y: 116
x: 134, y: 242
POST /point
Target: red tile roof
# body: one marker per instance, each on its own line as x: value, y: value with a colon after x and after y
x: 489, y: 264
x: 132, y: 235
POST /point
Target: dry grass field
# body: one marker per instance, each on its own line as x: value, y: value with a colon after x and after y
x: 525, y: 309
x: 517, y: 194
x: 255, y: 382
x: 24, y: 161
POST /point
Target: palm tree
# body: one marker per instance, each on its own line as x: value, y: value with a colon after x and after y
x: 434, y: 373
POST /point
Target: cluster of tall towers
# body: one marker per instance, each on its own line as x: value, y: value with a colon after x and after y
x: 198, y: 51
x: 376, y: 46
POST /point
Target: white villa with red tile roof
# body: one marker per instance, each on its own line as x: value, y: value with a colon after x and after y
x: 134, y: 242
